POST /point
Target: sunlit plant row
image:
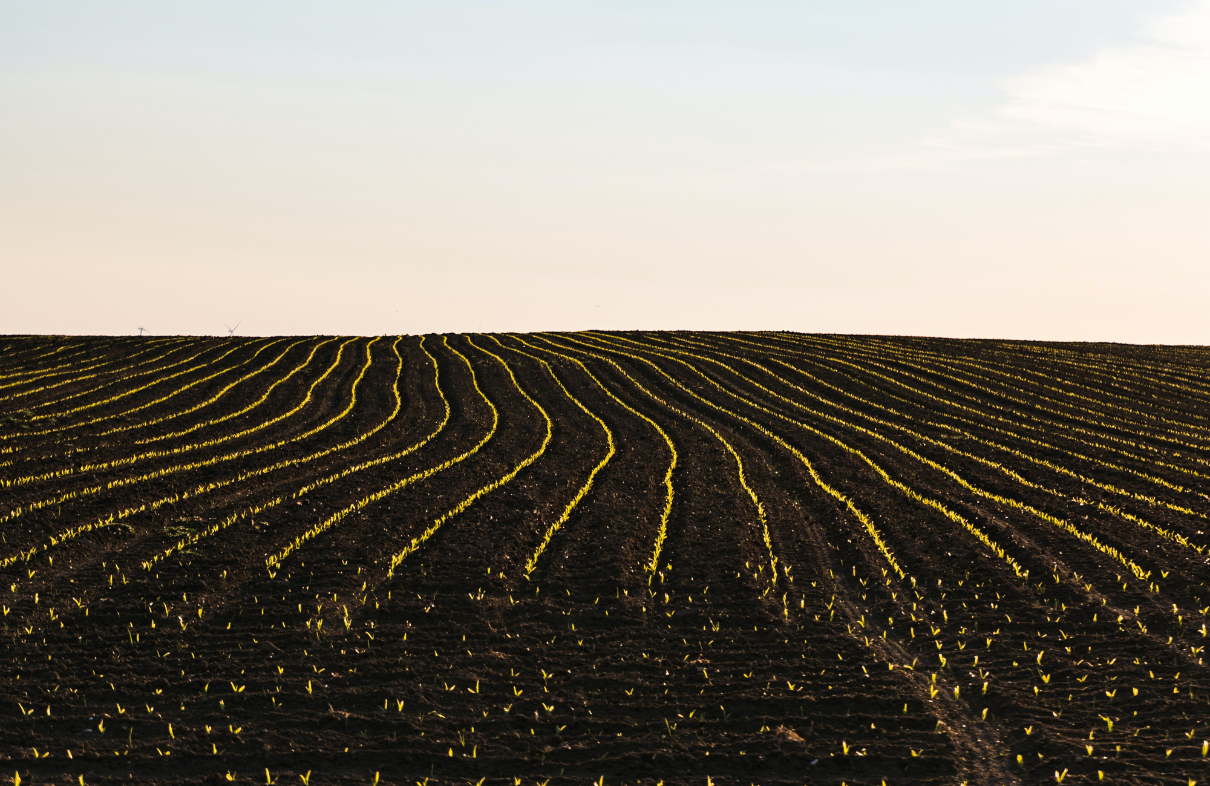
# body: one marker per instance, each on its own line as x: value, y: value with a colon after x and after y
x: 119, y: 380
x: 419, y: 540
x: 60, y: 473
x: 894, y: 376
x: 652, y: 564
x: 29, y: 368
x: 1015, y: 476
x: 1090, y: 416
x: 132, y: 480
x: 757, y: 504
x: 169, y: 416
x: 118, y: 516
x: 532, y: 562
x: 75, y: 376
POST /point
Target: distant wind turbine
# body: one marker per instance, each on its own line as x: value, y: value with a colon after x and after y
x: 231, y: 330
x: 142, y: 331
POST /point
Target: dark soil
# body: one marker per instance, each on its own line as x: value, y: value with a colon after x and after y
x: 198, y: 586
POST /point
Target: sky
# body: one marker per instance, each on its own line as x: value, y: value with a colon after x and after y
x: 966, y: 168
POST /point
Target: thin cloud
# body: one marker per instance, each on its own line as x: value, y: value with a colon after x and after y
x: 1149, y: 95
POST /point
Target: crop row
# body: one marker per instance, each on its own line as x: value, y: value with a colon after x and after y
x: 976, y: 537
x: 157, y: 402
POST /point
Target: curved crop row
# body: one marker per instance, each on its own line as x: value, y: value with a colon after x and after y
x: 132, y: 391
x: 1043, y: 424
x: 202, y: 489
x: 154, y: 402
x: 75, y: 368
x: 532, y: 562
x: 329, y: 479
x: 958, y: 369
x: 1005, y: 448
x: 1092, y: 540
x: 739, y: 468
x: 29, y: 369
x: 162, y: 419
x: 40, y: 350
x: 129, y: 481
x: 128, y: 460
x: 115, y: 378
x: 231, y: 415
x: 419, y: 540
x: 174, y: 346
x: 662, y: 531
x: 981, y: 382
x: 1163, y: 532
x: 866, y: 522
x: 1026, y: 374
x: 1024, y: 437
x: 892, y: 378
x: 982, y: 537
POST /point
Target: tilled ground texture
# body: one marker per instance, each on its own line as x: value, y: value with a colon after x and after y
x: 708, y: 558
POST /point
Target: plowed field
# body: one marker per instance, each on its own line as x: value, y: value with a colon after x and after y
x: 707, y: 558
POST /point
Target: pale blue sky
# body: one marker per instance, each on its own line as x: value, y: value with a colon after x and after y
x: 1027, y: 169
